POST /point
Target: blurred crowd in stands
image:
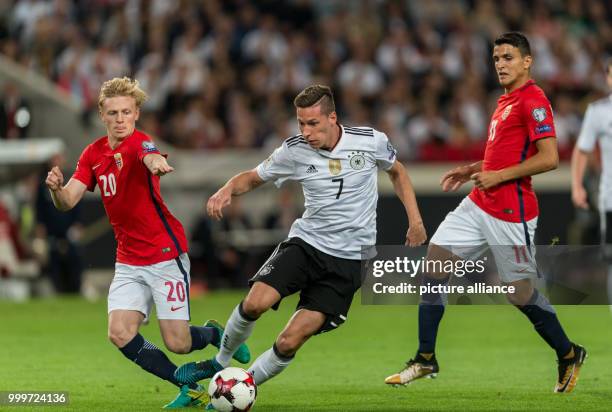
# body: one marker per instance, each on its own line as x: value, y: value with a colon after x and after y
x: 223, y: 73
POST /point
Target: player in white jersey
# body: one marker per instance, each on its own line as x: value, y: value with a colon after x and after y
x: 337, y: 167
x: 597, y: 127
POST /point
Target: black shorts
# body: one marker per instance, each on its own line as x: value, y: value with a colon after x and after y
x: 326, y: 283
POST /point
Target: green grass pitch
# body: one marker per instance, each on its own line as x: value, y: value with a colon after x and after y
x: 490, y: 359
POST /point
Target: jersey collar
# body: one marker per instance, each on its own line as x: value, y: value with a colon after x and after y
x: 336, y: 148
x: 107, y: 145
x: 523, y: 87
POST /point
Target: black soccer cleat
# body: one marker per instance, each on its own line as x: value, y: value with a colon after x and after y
x: 569, y: 370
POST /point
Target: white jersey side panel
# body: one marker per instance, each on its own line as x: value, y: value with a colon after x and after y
x: 597, y: 126
x: 340, y: 188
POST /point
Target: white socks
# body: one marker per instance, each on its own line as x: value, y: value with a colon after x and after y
x: 237, y: 331
x: 268, y: 365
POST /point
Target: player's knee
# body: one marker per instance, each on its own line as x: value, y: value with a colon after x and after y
x: 288, y: 344
x: 180, y: 346
x: 519, y: 297
x: 120, y: 336
x: 523, y: 291
x: 253, y: 308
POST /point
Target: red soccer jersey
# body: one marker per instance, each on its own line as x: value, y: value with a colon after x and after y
x: 521, y: 117
x: 145, y: 230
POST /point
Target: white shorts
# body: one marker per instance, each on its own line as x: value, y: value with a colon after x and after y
x: 468, y: 231
x: 165, y: 283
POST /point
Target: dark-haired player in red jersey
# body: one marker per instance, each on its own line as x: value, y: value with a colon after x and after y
x: 502, y: 209
x: 152, y: 263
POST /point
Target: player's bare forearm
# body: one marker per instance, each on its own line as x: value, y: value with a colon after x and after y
x: 240, y: 184
x: 579, y: 163
x: 405, y: 192
x: 546, y: 159
x: 157, y: 164
x: 475, y: 167
x: 60, y: 200
x: 66, y: 197
x: 244, y: 182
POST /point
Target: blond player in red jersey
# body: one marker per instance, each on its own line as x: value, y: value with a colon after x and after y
x: 501, y: 210
x: 152, y: 264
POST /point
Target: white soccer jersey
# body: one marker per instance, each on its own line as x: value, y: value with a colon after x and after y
x: 340, y: 188
x: 597, y: 125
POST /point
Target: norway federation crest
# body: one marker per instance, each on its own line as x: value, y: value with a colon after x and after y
x: 506, y: 112
x: 539, y: 114
x: 118, y: 160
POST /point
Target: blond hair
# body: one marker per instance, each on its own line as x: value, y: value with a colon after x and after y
x: 121, y: 86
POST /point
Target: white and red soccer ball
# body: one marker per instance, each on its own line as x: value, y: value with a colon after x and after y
x: 232, y: 390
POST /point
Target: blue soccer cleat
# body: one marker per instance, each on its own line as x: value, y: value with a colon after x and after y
x: 188, y: 397
x: 196, y: 371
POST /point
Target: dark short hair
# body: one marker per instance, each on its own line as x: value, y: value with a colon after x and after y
x: 516, y: 39
x: 315, y: 94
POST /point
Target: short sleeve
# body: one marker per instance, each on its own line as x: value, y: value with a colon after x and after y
x: 278, y: 167
x: 84, y: 171
x: 540, y: 123
x: 385, y: 152
x: 145, y: 146
x: 588, y: 131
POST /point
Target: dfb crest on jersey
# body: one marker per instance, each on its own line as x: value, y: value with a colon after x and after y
x: 539, y: 114
x: 118, y: 160
x: 149, y: 147
x: 356, y: 160
x: 335, y: 167
x: 506, y: 112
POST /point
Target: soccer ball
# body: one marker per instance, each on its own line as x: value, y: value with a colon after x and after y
x: 232, y: 390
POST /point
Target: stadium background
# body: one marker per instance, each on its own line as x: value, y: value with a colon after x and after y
x: 221, y: 76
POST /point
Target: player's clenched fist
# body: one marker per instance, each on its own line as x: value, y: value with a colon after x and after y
x: 218, y: 201
x: 416, y: 235
x: 55, y: 179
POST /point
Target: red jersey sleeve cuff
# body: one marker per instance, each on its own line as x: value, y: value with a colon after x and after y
x: 543, y: 137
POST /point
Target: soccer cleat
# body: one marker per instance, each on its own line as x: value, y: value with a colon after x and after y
x: 416, y: 368
x: 242, y: 354
x: 196, y: 371
x: 188, y: 397
x: 569, y: 370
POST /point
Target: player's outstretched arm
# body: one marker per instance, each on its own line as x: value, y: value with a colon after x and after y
x: 416, y: 234
x: 64, y: 197
x: 547, y: 158
x: 241, y: 183
x: 579, y: 163
x: 157, y: 164
x: 455, y: 178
